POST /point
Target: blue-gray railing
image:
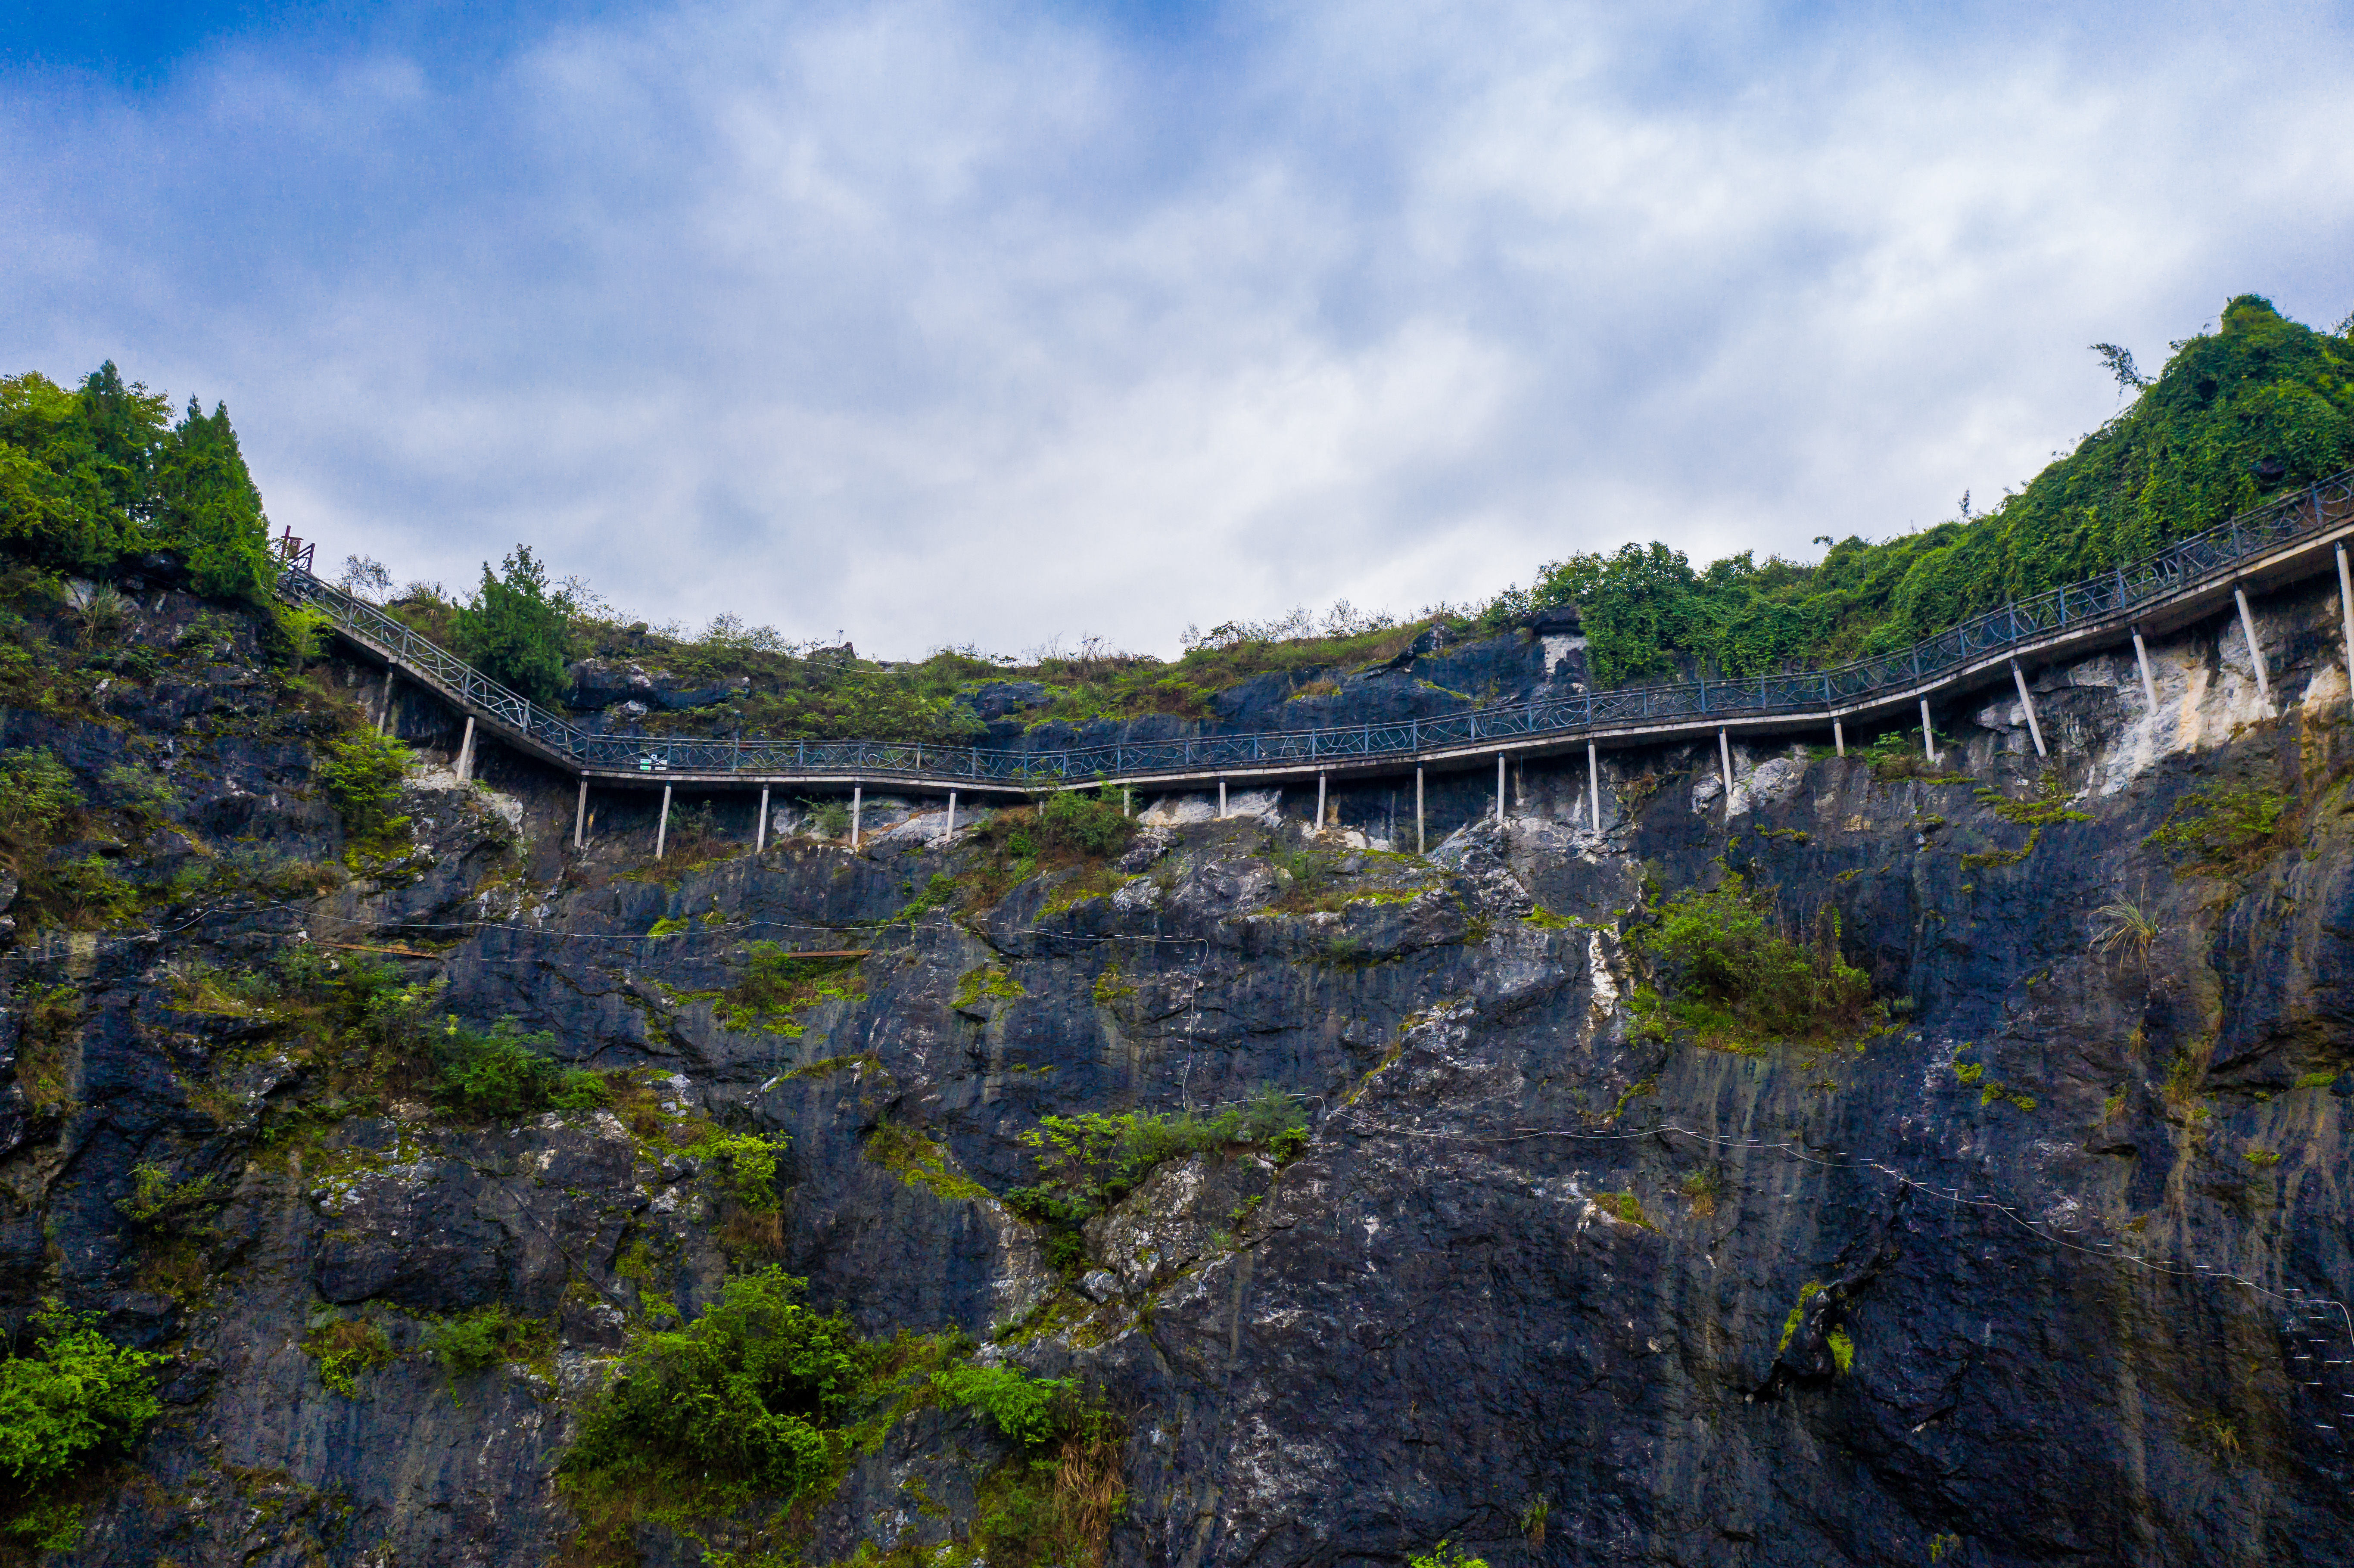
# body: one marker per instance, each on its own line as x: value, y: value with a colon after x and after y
x: 2189, y: 562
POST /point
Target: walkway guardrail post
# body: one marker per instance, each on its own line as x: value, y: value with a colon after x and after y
x: 2256, y: 648
x: 2345, y: 603
x: 2027, y: 702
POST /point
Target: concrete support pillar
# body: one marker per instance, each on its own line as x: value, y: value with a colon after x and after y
x: 2034, y: 730
x: 1500, y: 789
x: 1222, y: 800
x: 2346, y: 613
x: 580, y: 814
x: 760, y: 834
x: 661, y: 828
x: 2256, y: 648
x: 1839, y: 736
x: 384, y: 719
x: 1417, y: 809
x: 857, y: 806
x: 1928, y: 735
x: 1725, y: 763
x: 1592, y: 787
x: 466, y: 751
x: 2141, y: 657
x: 1319, y: 803
x: 951, y: 833
x: 1127, y: 801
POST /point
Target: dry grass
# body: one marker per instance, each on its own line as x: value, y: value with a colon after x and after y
x: 1089, y: 1493
x: 2124, y: 926
x: 695, y: 838
x: 52, y: 1021
x: 174, y: 1268
x: 746, y: 1235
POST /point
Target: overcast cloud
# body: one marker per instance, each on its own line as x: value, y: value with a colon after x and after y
x: 945, y: 324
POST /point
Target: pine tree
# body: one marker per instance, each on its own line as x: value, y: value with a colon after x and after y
x: 514, y: 629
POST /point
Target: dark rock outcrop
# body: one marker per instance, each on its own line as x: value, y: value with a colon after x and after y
x: 2032, y: 1270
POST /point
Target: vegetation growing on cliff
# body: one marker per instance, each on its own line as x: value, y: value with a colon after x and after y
x: 73, y: 1397
x: 40, y: 810
x: 2219, y: 829
x: 1072, y: 832
x: 775, y: 984
x: 1089, y: 1162
x: 362, y: 773
x: 504, y: 1075
x: 749, y: 1398
x: 102, y: 475
x: 2253, y: 410
x: 514, y: 629
x: 764, y: 1400
x: 1734, y: 976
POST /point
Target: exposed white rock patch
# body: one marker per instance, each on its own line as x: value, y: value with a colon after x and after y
x: 1775, y: 780
x: 1170, y: 811
x: 2206, y: 691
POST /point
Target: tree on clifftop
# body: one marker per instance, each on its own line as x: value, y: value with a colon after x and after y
x: 92, y: 477
x: 514, y: 629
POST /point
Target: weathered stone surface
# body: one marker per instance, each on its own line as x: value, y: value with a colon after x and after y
x: 2063, y: 1216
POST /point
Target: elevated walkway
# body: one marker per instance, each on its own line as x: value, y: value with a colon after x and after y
x: 2294, y: 538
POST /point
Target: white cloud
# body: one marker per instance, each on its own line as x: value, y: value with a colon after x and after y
x: 942, y: 329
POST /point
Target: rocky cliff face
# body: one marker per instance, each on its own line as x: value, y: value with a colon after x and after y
x: 2042, y: 1263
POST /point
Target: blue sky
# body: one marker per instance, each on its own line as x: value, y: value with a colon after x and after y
x: 962, y: 325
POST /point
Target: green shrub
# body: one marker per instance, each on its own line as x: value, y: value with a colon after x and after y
x: 77, y: 1394
x: 82, y: 894
x: 514, y: 631
x: 1735, y: 973
x: 775, y: 984
x: 1444, y: 1555
x: 1625, y: 1208
x: 1275, y: 1120
x: 38, y: 803
x: 2219, y: 829
x: 1053, y: 1503
x: 751, y: 1161
x: 986, y: 982
x: 1089, y: 1162
x: 505, y: 1075
x: 1029, y: 1411
x: 1091, y: 825
x: 484, y: 1339
x: 158, y: 1201
x: 748, y: 1398
x: 1072, y: 829
x: 1899, y: 754
x: 140, y: 789
x: 345, y: 1348
x: 362, y: 773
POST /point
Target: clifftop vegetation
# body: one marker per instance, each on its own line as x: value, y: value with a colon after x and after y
x: 2251, y: 411
x: 98, y: 477
x: 2254, y: 409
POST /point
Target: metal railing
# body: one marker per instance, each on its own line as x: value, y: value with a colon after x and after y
x: 2190, y: 563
